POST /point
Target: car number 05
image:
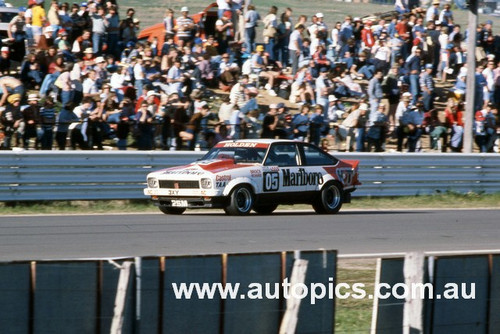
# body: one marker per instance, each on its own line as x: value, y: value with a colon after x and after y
x: 271, y: 181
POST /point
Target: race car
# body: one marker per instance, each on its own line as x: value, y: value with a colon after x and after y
x: 243, y: 175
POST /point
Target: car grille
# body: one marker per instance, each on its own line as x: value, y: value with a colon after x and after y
x: 181, y: 184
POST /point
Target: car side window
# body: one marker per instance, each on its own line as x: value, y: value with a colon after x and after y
x: 282, y: 155
x: 316, y: 157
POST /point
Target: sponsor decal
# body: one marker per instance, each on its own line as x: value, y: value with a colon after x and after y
x: 220, y: 184
x: 271, y: 181
x: 301, y: 178
x: 184, y: 172
x: 223, y: 178
x: 240, y: 144
x: 345, y: 175
x: 255, y: 173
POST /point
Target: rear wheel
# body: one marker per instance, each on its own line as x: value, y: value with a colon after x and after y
x: 171, y: 211
x: 240, y: 202
x: 265, y: 209
x: 329, y: 200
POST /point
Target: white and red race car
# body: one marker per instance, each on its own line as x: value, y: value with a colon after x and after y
x: 242, y: 175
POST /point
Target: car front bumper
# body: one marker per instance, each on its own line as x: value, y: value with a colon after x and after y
x: 190, y: 202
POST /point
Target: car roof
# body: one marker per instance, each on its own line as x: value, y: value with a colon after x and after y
x: 262, y: 141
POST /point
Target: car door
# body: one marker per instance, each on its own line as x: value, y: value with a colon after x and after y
x: 282, y: 169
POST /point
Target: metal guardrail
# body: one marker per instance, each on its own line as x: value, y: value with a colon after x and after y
x: 89, y: 175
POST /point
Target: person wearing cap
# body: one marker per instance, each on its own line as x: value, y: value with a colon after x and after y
x: 63, y: 44
x: 427, y: 86
x: 5, y: 60
x: 270, y: 122
x: 17, y: 35
x: 185, y: 27
x: 38, y: 19
x: 31, y: 117
x: 480, y: 133
x: 11, y: 119
x: 432, y: 13
x: 412, y: 65
x: 446, y: 15
x: 258, y: 65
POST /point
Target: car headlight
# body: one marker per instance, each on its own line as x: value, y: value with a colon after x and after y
x: 152, y: 182
x: 206, y: 183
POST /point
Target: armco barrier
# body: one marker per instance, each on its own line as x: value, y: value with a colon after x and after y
x: 84, y: 175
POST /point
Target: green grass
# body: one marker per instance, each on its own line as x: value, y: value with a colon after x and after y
x: 447, y: 200
x: 354, y: 315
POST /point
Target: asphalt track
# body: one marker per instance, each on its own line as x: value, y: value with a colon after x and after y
x: 350, y: 232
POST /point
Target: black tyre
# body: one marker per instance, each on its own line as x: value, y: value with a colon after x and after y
x: 171, y: 211
x: 240, y: 202
x: 265, y: 209
x: 329, y: 200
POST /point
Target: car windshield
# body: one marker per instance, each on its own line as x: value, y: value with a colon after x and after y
x: 238, y: 154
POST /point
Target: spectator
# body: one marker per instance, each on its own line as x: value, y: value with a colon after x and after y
x: 270, y: 31
x: 377, y: 131
x: 251, y: 20
x: 294, y: 47
x: 99, y: 27
x: 185, y: 27
x: 375, y: 94
x: 47, y: 120
x: 11, y: 119
x: 38, y: 19
x: 31, y: 117
x: 427, y: 87
x: 270, y: 122
x: 300, y: 123
x: 16, y: 33
x: 10, y: 85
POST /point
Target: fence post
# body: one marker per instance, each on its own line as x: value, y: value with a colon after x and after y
x: 121, y: 295
x: 289, y: 322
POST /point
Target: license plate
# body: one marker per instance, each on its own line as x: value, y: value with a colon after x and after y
x: 179, y: 203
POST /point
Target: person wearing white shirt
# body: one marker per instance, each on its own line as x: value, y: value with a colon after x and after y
x: 139, y: 76
x: 174, y: 78
x: 90, y: 85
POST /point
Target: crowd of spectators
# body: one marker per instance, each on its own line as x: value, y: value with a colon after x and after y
x: 86, y: 79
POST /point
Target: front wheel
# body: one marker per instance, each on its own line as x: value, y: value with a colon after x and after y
x: 329, y: 200
x: 171, y: 211
x: 241, y: 201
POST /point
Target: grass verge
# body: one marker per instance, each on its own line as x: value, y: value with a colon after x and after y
x: 447, y: 200
x: 354, y: 315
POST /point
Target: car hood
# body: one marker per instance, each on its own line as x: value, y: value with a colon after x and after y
x: 204, y: 167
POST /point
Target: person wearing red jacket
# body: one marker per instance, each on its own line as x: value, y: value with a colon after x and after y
x: 367, y: 35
